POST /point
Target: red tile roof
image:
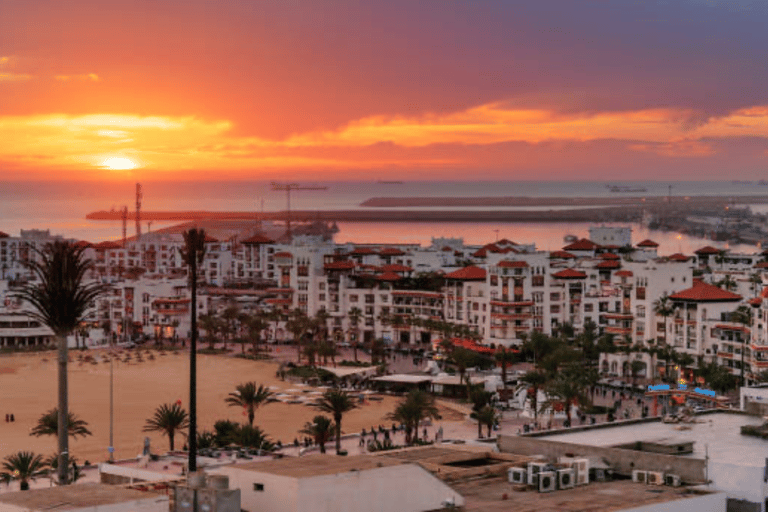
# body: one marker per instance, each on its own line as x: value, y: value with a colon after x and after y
x: 210, y: 240
x: 257, y: 239
x: 761, y: 264
x: 446, y: 249
x: 609, y: 256
x: 609, y: 265
x: 283, y: 254
x: 679, y: 257
x: 82, y: 243
x: 340, y: 265
x: 704, y: 292
x: 391, y: 251
x: 4, y: 235
x: 562, y: 255
x: 472, y: 345
x: 361, y: 251
x: 570, y: 273
x: 647, y: 243
x: 582, y: 245
x: 707, y: 250
x: 726, y: 327
x: 505, y: 241
x: 480, y: 253
x: 388, y: 276
x: 624, y: 273
x: 396, y: 267
x: 513, y: 264
x: 470, y: 273
x: 756, y: 301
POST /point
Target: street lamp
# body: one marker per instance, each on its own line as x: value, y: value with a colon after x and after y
x: 111, y: 448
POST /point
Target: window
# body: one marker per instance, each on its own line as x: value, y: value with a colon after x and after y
x: 589, y: 308
x: 537, y: 281
x: 258, y: 487
x: 554, y: 309
x: 353, y: 298
x: 554, y: 297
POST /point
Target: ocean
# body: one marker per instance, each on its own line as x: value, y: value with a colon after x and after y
x: 62, y: 207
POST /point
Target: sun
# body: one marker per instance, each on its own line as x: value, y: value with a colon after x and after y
x: 118, y: 163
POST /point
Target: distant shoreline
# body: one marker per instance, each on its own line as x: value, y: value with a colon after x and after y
x: 703, y: 201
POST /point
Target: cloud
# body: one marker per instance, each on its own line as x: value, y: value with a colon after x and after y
x: 14, y: 77
x: 93, y: 77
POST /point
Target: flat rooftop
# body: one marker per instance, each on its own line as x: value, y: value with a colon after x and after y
x: 719, y: 433
x: 75, y: 496
x: 317, y: 465
x: 486, y: 495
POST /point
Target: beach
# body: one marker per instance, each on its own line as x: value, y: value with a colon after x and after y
x: 28, y: 384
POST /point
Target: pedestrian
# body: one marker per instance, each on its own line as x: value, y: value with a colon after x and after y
x: 374, y: 435
x: 425, y: 434
x: 12, y: 418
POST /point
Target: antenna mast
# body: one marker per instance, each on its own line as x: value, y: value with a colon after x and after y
x: 138, y: 210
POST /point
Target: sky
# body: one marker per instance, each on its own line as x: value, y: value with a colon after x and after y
x: 339, y: 90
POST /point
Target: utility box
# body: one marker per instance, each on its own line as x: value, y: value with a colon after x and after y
x: 212, y: 493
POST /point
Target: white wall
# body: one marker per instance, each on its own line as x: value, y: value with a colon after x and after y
x: 738, y: 481
x: 404, y: 488
x: 710, y: 502
x: 280, y: 493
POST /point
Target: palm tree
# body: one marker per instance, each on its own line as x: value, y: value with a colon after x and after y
x: 212, y: 325
x: 192, y: 255
x: 462, y: 359
x: 168, y: 419
x: 250, y: 397
x: 256, y: 325
x: 320, y: 430
x: 486, y: 416
x: 48, y: 425
x: 60, y: 299
x: 23, y: 466
x: 355, y: 314
x: 536, y: 380
x: 570, y: 387
x: 250, y: 437
x: 663, y: 307
x: 417, y: 406
x: 504, y: 357
x: 299, y: 325
x: 336, y: 402
x: 229, y: 316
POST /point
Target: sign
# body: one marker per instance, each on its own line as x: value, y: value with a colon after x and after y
x: 707, y: 392
x: 659, y: 387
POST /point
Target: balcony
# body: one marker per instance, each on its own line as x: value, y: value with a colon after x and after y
x: 612, y: 329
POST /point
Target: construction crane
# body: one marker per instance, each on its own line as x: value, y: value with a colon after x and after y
x: 288, y: 187
x: 138, y: 210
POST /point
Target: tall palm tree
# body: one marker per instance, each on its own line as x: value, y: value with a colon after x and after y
x: 536, y: 380
x: 462, y: 359
x: 212, y: 325
x: 320, y: 430
x: 488, y: 417
x: 256, y: 325
x: 336, y: 402
x: 168, y: 419
x: 48, y: 425
x: 417, y: 406
x: 504, y: 357
x: 568, y: 386
x: 60, y: 298
x: 250, y: 397
x: 299, y: 325
x: 192, y: 255
x: 663, y: 307
x: 23, y: 466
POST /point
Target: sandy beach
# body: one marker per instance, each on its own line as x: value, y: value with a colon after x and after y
x: 28, y: 385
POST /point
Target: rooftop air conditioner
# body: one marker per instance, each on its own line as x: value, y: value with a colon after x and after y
x: 566, y: 478
x: 596, y: 475
x: 672, y: 480
x: 639, y: 476
x: 656, y: 478
x: 517, y: 476
x: 582, y: 471
x: 547, y: 481
x: 534, y: 468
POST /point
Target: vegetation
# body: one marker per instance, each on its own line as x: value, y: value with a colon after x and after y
x: 320, y: 430
x: 48, y: 425
x: 336, y: 402
x: 249, y: 397
x: 23, y: 466
x: 59, y: 299
x: 168, y: 419
x: 412, y: 410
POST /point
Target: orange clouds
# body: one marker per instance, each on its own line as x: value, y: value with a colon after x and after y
x: 165, y: 144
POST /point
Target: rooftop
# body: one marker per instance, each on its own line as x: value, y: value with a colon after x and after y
x: 704, y: 292
x: 720, y: 432
x: 487, y: 495
x: 310, y: 466
x: 74, y: 497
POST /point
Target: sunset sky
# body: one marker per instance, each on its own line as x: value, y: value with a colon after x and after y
x: 325, y: 90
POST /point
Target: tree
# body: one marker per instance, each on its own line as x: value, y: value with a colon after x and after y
x: 417, y: 406
x: 192, y: 255
x: 462, y: 359
x: 727, y: 283
x: 60, y: 299
x: 230, y: 316
x: 488, y: 417
x: 212, y: 325
x: 168, y: 419
x: 249, y: 397
x: 48, y: 425
x: 299, y: 325
x: 250, y: 437
x: 256, y: 325
x: 481, y: 400
x: 635, y: 366
x: 336, y: 402
x: 536, y: 380
x: 569, y: 387
x: 505, y: 357
x: 320, y: 430
x: 23, y: 466
x: 664, y: 308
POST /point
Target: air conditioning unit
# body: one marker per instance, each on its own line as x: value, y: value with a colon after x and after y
x: 639, y: 476
x: 596, y: 475
x: 656, y: 478
x: 672, y: 480
x: 517, y: 476
x: 582, y: 471
x: 534, y: 468
x: 547, y: 481
x: 566, y: 478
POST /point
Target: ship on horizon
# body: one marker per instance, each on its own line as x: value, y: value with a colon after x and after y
x: 391, y: 182
x: 625, y: 188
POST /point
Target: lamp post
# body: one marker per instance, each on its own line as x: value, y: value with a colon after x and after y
x: 111, y: 448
